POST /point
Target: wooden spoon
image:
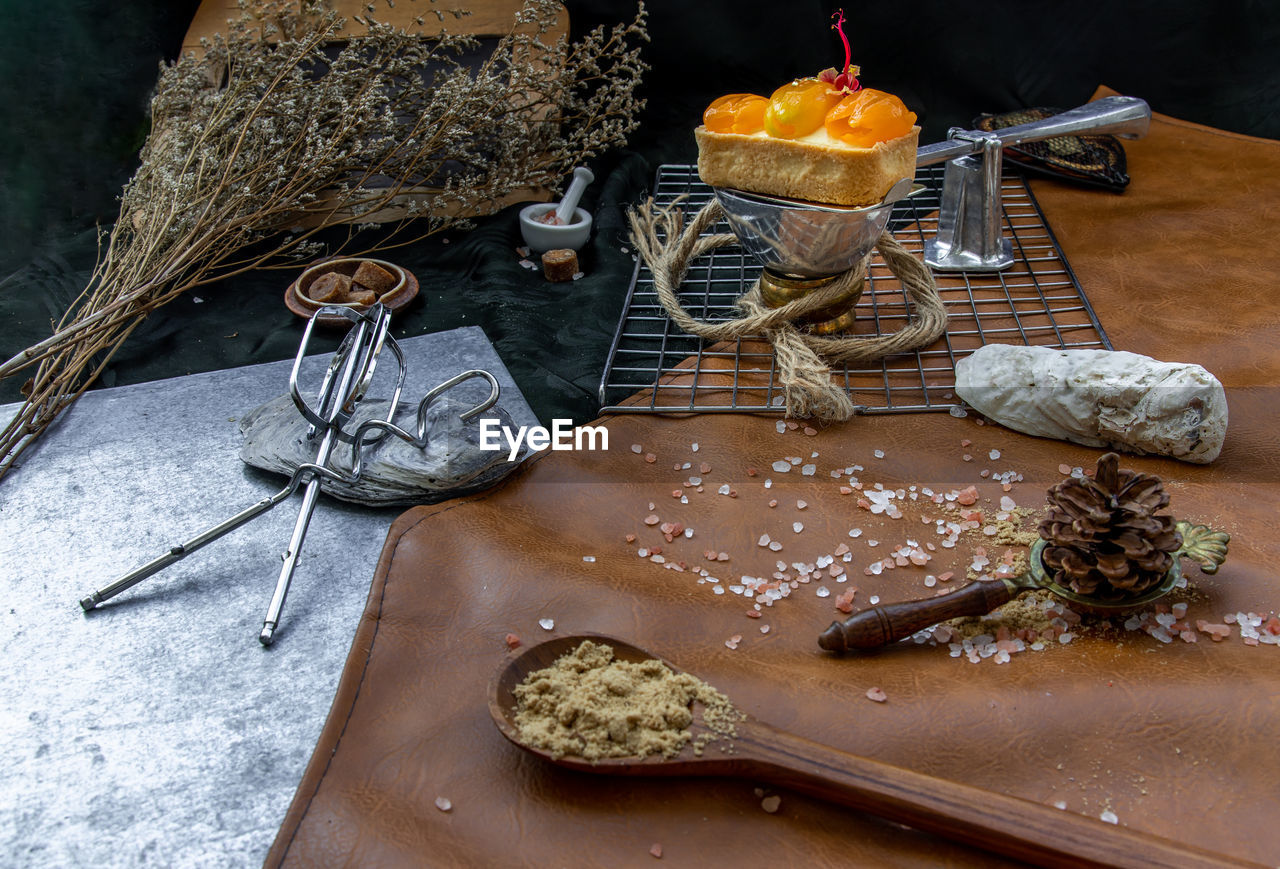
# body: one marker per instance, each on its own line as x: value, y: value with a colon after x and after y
x: 882, y: 625
x: 761, y: 753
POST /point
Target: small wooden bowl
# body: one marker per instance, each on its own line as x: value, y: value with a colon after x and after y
x: 299, y: 302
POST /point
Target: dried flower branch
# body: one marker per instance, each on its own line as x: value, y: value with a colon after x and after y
x: 302, y: 134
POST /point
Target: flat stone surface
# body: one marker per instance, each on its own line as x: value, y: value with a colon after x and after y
x: 156, y: 730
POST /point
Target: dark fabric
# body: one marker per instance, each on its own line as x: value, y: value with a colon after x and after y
x: 75, y: 78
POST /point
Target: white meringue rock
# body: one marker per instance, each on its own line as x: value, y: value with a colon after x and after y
x: 1100, y: 398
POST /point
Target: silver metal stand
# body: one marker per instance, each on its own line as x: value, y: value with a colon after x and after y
x: 969, y: 234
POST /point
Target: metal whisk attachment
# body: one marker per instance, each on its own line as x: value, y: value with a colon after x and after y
x: 344, y: 385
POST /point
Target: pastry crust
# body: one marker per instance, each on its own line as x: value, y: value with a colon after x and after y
x: 829, y: 172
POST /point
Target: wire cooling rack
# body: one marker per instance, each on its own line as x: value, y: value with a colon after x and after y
x: 1037, y: 301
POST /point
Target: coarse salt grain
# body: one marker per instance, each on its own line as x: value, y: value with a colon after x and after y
x: 637, y: 449
x: 771, y: 804
x: 993, y: 455
x: 444, y: 804
x: 547, y: 624
x: 877, y: 694
x: 797, y: 527
x: 590, y: 559
x: 1109, y: 817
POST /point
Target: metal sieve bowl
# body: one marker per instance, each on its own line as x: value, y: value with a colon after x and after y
x: 807, y: 239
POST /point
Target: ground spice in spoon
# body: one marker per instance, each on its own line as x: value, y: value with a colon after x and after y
x: 589, y: 704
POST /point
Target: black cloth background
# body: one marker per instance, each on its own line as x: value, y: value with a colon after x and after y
x: 75, y: 77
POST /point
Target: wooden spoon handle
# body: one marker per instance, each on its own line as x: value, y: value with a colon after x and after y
x: 1038, y: 834
x: 881, y: 625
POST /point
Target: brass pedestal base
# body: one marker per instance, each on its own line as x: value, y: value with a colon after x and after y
x: 777, y: 289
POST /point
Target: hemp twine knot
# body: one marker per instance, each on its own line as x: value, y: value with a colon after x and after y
x: 668, y: 248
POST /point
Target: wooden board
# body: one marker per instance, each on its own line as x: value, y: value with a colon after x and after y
x: 486, y: 18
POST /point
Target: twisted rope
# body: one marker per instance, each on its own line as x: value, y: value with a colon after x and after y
x: 668, y: 248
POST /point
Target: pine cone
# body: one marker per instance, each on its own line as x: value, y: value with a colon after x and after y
x: 1103, y: 535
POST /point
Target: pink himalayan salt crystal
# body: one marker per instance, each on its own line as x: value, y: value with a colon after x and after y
x: 512, y: 641
x: 656, y: 850
x: 1216, y: 632
x: 877, y: 694
x: 650, y: 458
x: 733, y: 641
x: 652, y: 519
x: 844, y: 602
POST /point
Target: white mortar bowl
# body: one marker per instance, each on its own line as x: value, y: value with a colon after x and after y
x: 543, y: 237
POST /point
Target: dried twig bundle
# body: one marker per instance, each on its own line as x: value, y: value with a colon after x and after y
x: 279, y: 133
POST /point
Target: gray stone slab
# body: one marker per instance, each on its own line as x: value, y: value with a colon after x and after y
x: 157, y: 730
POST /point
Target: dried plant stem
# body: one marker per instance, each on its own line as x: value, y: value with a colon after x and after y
x: 301, y: 136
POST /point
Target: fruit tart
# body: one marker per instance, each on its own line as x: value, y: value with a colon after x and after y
x: 823, y: 139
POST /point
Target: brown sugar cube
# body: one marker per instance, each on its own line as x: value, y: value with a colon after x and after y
x: 372, y: 276
x: 560, y: 265
x: 329, y: 287
x: 361, y: 297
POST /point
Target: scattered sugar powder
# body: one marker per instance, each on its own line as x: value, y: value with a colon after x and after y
x: 590, y: 704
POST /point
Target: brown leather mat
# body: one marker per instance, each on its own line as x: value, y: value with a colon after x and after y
x: 1175, y: 739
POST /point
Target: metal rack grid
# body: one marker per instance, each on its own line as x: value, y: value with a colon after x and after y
x: 1037, y: 301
